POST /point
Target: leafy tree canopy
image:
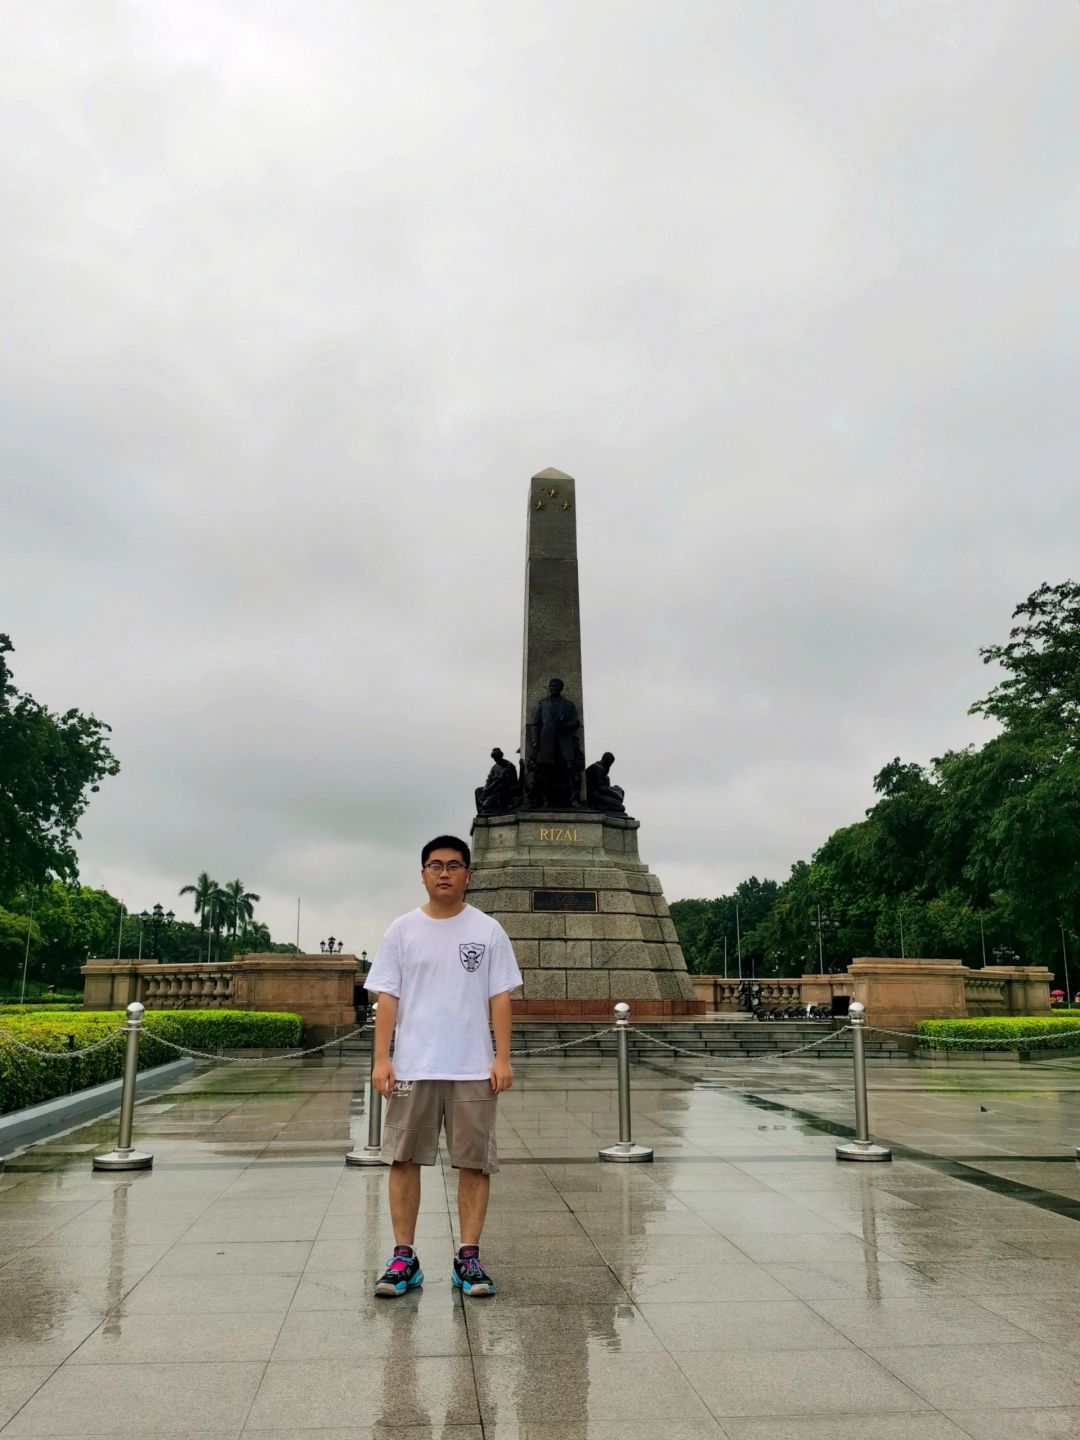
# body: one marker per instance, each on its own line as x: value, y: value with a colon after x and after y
x: 49, y: 766
x: 976, y: 853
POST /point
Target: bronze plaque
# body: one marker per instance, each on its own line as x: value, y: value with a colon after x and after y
x: 583, y: 901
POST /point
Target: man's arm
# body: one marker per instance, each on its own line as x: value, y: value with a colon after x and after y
x: 502, y: 1073
x: 382, y: 1075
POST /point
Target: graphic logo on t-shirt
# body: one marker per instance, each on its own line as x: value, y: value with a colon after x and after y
x: 471, y: 955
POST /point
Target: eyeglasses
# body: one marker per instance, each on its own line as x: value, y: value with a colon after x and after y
x: 437, y: 867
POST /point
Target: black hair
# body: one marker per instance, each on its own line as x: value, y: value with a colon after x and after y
x: 446, y: 842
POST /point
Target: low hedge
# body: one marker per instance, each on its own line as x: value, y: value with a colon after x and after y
x: 1049, y: 1032
x: 27, y: 1079
x: 45, y: 1007
x: 231, y: 1029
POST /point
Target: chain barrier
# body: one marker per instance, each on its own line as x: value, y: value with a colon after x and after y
x: 735, y: 1059
x: 933, y: 1041
x: 259, y: 1059
x: 562, y: 1044
x: 266, y: 1059
x: 1014, y: 1042
x: 62, y: 1054
x: 341, y: 1040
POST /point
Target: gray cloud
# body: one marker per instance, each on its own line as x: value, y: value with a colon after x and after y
x: 298, y: 299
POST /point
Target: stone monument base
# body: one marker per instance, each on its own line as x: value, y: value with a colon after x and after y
x: 588, y: 922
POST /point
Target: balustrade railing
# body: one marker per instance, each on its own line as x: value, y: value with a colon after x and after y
x: 775, y: 993
x: 186, y: 987
x: 985, y: 994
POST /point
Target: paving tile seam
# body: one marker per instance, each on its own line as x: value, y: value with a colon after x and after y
x: 923, y: 1407
x: 292, y: 1297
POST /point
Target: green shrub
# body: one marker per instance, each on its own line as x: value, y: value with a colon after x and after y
x: 1050, y: 1032
x: 27, y: 1079
x: 230, y: 1029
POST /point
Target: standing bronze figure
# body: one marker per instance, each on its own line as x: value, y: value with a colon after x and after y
x: 554, y: 761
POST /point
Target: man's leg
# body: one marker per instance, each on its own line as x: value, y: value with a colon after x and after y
x: 471, y: 1135
x: 473, y: 1188
x: 404, y: 1200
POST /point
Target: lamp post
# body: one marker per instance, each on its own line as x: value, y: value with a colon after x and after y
x: 331, y: 946
x: 1065, y: 958
x: 158, y: 920
x: 821, y: 924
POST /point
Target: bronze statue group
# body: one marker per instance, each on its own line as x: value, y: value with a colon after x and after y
x: 549, y: 774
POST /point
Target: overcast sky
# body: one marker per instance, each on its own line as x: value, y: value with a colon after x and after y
x: 298, y: 297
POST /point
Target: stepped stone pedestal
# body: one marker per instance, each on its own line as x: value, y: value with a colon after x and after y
x: 588, y: 922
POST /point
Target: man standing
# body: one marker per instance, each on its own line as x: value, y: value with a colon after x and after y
x: 443, y: 976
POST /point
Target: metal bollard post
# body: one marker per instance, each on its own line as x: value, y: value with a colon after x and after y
x: 124, y: 1157
x: 862, y: 1147
x: 625, y: 1150
x: 369, y: 1155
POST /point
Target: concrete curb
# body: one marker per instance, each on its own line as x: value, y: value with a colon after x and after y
x: 65, y: 1111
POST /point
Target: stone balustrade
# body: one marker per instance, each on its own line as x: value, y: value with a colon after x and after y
x: 186, y: 987
x: 319, y: 988
x: 723, y: 994
x: 899, y: 992
x: 985, y: 994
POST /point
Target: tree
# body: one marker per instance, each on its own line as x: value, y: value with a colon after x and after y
x: 208, y: 898
x: 49, y: 766
x: 71, y: 922
x: 1041, y: 658
x: 239, y: 905
x: 710, y: 929
x: 13, y: 936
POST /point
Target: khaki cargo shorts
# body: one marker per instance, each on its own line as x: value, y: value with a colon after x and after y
x: 417, y: 1111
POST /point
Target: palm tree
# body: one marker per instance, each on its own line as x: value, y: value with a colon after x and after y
x: 207, y: 895
x: 238, y: 905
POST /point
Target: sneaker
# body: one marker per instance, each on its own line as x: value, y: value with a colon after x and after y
x: 402, y: 1273
x: 469, y: 1275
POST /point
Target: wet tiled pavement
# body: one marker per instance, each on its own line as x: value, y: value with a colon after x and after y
x: 745, y: 1285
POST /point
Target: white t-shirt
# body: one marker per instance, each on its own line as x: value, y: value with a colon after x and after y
x: 444, y: 972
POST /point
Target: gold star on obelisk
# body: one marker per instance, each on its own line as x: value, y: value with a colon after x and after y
x: 539, y: 505
x: 566, y: 505
x: 552, y: 494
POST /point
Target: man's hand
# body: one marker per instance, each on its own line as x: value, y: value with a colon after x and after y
x: 382, y: 1077
x: 502, y: 1075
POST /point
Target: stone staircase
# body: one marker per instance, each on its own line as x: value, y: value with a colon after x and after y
x: 715, y: 1038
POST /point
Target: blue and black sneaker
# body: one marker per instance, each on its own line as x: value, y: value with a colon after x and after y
x: 402, y: 1272
x: 469, y: 1275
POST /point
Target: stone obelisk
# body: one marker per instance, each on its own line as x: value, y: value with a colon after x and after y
x: 588, y: 922
x: 552, y: 643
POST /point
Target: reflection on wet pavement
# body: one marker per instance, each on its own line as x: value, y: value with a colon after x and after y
x: 744, y: 1285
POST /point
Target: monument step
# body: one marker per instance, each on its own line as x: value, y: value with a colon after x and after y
x: 716, y: 1039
